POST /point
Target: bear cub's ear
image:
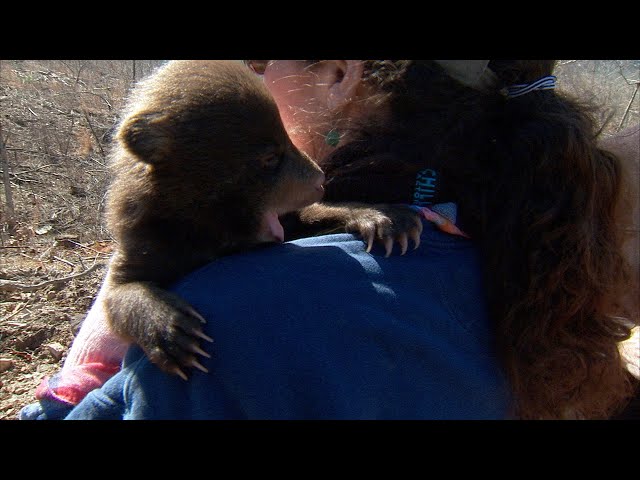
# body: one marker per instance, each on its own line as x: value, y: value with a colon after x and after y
x: 146, y: 135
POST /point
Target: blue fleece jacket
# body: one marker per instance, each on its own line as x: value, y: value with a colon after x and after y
x: 319, y: 329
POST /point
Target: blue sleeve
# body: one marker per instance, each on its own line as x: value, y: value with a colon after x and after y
x: 45, y: 409
x: 106, y: 403
x: 140, y: 391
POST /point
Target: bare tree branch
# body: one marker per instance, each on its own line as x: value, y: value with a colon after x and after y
x: 8, y: 193
x: 12, y: 286
x: 629, y: 82
x: 626, y: 112
x: 93, y: 132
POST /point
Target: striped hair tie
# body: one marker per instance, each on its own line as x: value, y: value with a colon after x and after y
x: 544, y: 83
x: 441, y: 222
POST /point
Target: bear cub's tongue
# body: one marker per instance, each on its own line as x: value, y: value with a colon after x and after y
x: 271, y: 229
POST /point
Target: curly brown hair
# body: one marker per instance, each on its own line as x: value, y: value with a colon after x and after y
x: 538, y: 196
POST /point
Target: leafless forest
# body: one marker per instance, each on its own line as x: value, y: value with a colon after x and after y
x: 56, y: 121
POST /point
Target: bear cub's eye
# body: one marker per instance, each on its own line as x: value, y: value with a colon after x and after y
x: 270, y: 160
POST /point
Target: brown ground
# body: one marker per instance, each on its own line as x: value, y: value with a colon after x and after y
x: 38, y: 326
x: 55, y: 118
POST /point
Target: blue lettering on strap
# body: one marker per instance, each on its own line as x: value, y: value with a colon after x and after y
x: 425, y: 188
